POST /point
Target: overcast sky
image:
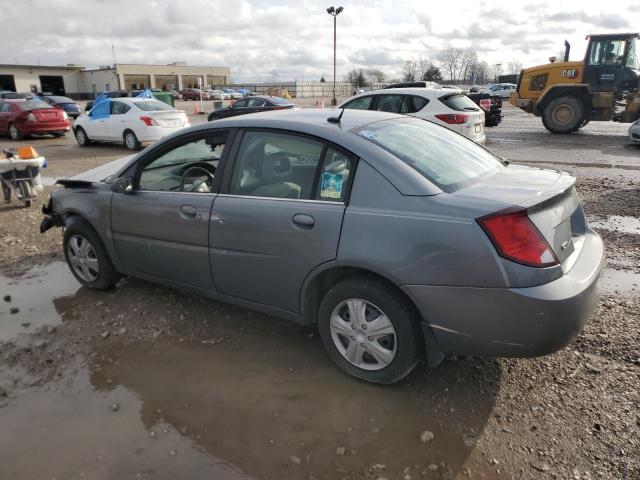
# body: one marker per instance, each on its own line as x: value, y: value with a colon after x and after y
x: 295, y: 38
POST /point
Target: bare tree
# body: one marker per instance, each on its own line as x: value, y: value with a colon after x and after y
x: 481, y: 72
x: 468, y: 59
x: 450, y: 59
x: 409, y: 71
x: 514, y: 66
x: 374, y: 75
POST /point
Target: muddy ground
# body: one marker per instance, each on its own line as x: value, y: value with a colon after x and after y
x: 148, y: 382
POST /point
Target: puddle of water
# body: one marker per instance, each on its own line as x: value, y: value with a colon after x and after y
x: 624, y: 224
x: 621, y: 280
x: 42, y: 295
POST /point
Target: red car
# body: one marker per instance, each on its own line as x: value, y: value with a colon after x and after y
x: 21, y: 118
x: 194, y: 94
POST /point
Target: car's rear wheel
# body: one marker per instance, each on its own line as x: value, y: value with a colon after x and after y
x: 87, y: 257
x: 130, y: 140
x: 369, y: 330
x: 14, y: 132
x: 81, y: 137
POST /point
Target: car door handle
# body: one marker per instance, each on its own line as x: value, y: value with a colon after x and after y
x: 187, y: 211
x: 303, y: 220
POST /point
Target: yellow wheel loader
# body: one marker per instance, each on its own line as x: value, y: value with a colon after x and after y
x: 568, y: 95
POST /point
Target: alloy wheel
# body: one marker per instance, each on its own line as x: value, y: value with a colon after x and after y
x: 363, y: 334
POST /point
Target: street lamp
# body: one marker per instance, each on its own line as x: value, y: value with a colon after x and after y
x: 334, y: 12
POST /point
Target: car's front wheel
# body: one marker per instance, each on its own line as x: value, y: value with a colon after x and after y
x: 369, y: 330
x: 81, y: 137
x: 87, y: 257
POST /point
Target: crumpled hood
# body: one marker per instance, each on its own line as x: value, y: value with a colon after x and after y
x: 100, y: 173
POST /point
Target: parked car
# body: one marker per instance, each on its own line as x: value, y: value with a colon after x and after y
x: 232, y: 93
x: 448, y: 107
x: 71, y: 107
x: 10, y: 95
x: 245, y: 92
x: 395, y: 237
x: 634, y: 132
x: 492, y: 106
x: 217, y: 94
x: 132, y: 121
x: 260, y: 103
x: 503, y: 90
x: 194, y: 94
x: 176, y: 95
x: 21, y: 118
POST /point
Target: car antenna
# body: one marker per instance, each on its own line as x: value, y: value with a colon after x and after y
x: 336, y: 119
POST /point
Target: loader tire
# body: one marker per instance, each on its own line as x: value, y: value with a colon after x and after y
x: 564, y: 114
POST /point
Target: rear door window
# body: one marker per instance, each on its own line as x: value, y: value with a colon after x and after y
x: 413, y: 104
x: 118, y: 108
x: 389, y: 103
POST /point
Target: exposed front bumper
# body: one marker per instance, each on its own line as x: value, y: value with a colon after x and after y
x: 516, y: 322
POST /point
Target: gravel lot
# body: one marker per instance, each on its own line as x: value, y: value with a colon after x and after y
x: 148, y: 382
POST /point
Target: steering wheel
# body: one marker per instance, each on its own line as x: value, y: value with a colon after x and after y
x: 208, y: 169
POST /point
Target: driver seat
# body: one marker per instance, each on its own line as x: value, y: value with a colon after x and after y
x: 276, y: 169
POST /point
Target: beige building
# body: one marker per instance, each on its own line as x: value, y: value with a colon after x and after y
x: 76, y: 81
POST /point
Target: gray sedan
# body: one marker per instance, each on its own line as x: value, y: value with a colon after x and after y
x: 397, y: 238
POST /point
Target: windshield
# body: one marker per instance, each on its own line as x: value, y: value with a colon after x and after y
x: 153, y: 105
x: 12, y: 95
x: 442, y: 156
x: 61, y: 99
x: 33, y: 105
x: 459, y: 102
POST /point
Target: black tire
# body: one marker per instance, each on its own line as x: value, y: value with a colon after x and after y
x: 564, y: 114
x: 107, y: 276
x: 14, y: 132
x: 130, y: 140
x: 402, y: 315
x: 81, y: 137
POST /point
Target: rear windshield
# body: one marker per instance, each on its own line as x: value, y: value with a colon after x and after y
x: 12, y: 96
x: 279, y: 101
x: 444, y: 157
x: 153, y: 105
x: 459, y: 102
x: 33, y: 105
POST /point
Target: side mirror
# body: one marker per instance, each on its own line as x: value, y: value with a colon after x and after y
x: 122, y: 185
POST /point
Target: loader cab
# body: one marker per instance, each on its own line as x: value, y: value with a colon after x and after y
x: 611, y: 62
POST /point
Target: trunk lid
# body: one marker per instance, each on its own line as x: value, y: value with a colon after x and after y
x: 549, y: 198
x: 47, y: 114
x: 169, y: 118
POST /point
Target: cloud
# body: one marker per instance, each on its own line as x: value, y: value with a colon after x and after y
x: 295, y: 38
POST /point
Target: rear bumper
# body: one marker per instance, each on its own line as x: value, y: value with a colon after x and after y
x: 152, y: 134
x: 516, y: 322
x: 27, y: 128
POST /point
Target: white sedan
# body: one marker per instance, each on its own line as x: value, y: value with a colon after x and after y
x: 447, y: 107
x: 132, y: 121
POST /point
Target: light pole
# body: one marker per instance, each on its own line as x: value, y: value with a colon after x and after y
x: 334, y: 12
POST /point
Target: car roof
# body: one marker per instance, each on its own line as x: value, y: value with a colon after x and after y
x: 419, y: 91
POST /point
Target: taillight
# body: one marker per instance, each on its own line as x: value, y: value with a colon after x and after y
x: 64, y: 115
x: 31, y: 118
x: 516, y: 238
x: 453, y: 118
x: 149, y: 122
x: 485, y: 104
